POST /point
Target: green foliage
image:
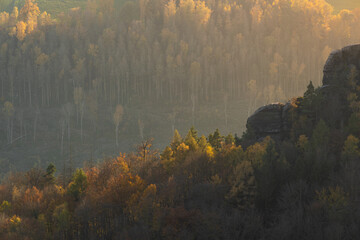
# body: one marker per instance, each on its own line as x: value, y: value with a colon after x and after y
x: 303, y: 143
x: 353, y: 126
x: 229, y: 140
x: 176, y: 140
x: 184, y: 192
x: 321, y: 136
x: 193, y: 132
x: 232, y: 156
x: 312, y: 102
x: 247, y: 135
x: 167, y: 159
x: 191, y: 140
x: 216, y: 139
x: 237, y: 140
x: 351, y: 149
x: 243, y: 186
x: 78, y: 185
x: 334, y: 200
x: 5, y: 206
x: 270, y: 176
x: 310, y: 91
x: 50, y: 173
x: 62, y: 217
x: 202, y: 143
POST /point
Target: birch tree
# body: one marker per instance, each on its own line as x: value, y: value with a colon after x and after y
x: 117, y: 117
x: 9, y: 110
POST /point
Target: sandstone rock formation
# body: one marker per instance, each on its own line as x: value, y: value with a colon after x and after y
x: 342, y: 65
x: 267, y: 120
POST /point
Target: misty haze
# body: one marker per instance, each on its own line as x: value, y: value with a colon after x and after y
x: 179, y: 119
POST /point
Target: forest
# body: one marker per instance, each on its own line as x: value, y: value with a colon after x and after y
x: 168, y: 64
x: 108, y: 111
x: 305, y: 186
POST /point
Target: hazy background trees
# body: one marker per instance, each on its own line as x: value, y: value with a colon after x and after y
x: 165, y: 50
x: 212, y: 61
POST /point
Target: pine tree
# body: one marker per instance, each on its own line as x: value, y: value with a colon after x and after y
x: 190, y: 140
x: 176, y: 140
x: 216, y: 139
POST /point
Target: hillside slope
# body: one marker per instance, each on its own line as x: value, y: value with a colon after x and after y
x: 303, y: 185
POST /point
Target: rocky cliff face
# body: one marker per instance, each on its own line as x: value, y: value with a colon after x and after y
x: 270, y: 120
x: 342, y: 67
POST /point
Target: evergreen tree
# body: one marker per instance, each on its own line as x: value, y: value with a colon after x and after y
x: 50, y: 172
x: 229, y: 140
x: 194, y: 133
x: 78, y: 185
x: 191, y: 141
x: 176, y: 140
x: 216, y: 139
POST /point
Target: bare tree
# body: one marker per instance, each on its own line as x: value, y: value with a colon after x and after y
x: 193, y: 109
x: 37, y: 113
x: 82, y: 111
x: 117, y: 117
x: 172, y: 117
x: 62, y: 132
x: 144, y: 149
x: 141, y: 128
x: 9, y: 112
x: 225, y: 109
x: 67, y: 110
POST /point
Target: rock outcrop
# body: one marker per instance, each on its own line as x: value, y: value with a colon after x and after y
x: 270, y: 120
x: 267, y: 120
x: 341, y: 66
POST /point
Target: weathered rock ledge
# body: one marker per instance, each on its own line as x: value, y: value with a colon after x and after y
x: 273, y: 120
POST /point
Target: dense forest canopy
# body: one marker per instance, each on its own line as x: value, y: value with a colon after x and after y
x: 77, y: 85
x: 197, y: 62
x: 305, y: 186
x: 166, y: 50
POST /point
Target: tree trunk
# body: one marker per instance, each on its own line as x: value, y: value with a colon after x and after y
x: 81, y: 124
x: 62, y: 137
x: 11, y: 131
x: 8, y: 130
x: 35, y: 125
x: 116, y: 134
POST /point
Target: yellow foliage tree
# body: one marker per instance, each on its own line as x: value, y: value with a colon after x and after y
x: 21, y: 30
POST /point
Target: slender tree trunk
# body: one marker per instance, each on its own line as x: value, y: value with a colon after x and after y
x: 8, y: 130
x: 81, y: 124
x: 68, y: 122
x: 193, y: 109
x: 11, y: 131
x: 2, y: 86
x: 62, y: 132
x: 116, y: 134
x: 29, y: 92
x: 225, y: 110
x: 35, y: 125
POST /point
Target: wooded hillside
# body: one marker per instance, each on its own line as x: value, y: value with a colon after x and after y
x: 202, y: 63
